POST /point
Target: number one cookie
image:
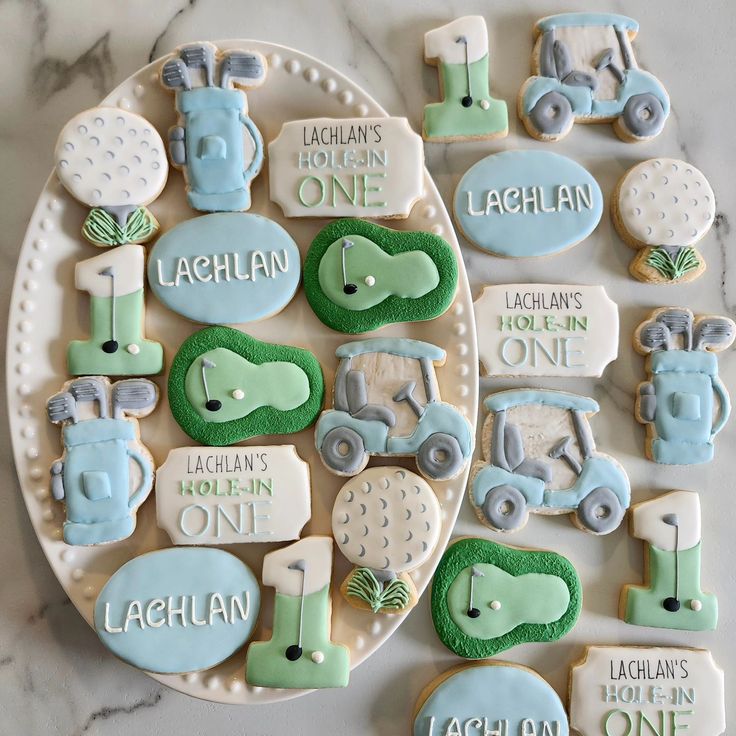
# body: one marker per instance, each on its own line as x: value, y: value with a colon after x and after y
x: 460, y: 52
x: 299, y: 654
x: 114, y: 281
x: 671, y: 597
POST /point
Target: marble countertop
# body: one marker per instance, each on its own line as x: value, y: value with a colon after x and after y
x: 59, y: 58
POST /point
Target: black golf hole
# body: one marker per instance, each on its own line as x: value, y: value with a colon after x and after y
x: 293, y: 652
x: 213, y: 405
x: 671, y: 604
x: 466, y: 101
x: 350, y: 289
x: 111, y: 346
x: 473, y: 612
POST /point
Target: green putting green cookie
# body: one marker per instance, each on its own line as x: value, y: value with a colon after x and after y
x: 359, y: 276
x: 487, y: 597
x: 225, y: 386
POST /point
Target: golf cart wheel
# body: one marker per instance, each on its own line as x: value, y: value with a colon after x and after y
x: 600, y: 511
x: 440, y: 457
x: 343, y: 451
x: 505, y: 508
x: 643, y: 117
x: 551, y: 117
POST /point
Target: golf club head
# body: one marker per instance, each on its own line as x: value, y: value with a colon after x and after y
x: 86, y: 390
x: 678, y: 322
x: 654, y: 336
x: 200, y: 56
x: 175, y: 75
x: 136, y: 396
x: 249, y: 69
x: 714, y: 333
x: 62, y: 407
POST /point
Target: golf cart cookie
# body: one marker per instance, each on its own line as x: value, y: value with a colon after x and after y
x: 386, y: 402
x: 113, y: 161
x: 105, y: 473
x: 387, y: 522
x: 225, y: 386
x: 671, y: 597
x: 663, y: 207
x: 299, y: 653
x: 215, y: 144
x: 638, y: 690
x: 487, y: 597
x: 540, y: 457
x: 495, y: 698
x: 459, y: 50
x: 116, y: 346
x: 585, y: 71
x: 359, y: 276
x: 684, y: 404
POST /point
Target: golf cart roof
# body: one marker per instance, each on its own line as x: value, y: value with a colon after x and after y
x: 400, y: 346
x: 565, y: 20
x: 525, y: 396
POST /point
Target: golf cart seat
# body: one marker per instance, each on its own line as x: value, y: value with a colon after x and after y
x: 358, y: 406
x: 556, y: 62
x: 514, y: 450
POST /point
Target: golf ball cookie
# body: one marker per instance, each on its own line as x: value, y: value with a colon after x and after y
x: 386, y: 521
x: 114, y: 162
x: 663, y: 207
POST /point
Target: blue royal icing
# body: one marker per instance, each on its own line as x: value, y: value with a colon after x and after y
x: 527, y: 203
x: 225, y: 268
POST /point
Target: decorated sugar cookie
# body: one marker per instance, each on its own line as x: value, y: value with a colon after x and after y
x: 585, y: 71
x: 520, y: 204
x: 386, y: 402
x: 359, y: 276
x: 546, y: 330
x: 225, y: 268
x: 684, y: 404
x: 540, y: 457
x: 459, y: 50
x: 215, y: 144
x: 671, y: 597
x: 105, y: 473
x: 663, y: 207
x: 493, y: 698
x: 351, y: 167
x: 114, y: 162
x: 487, y: 597
x: 299, y: 654
x: 233, y: 495
x: 117, y: 346
x: 178, y: 610
x: 647, y: 690
x: 386, y: 521
x: 225, y: 386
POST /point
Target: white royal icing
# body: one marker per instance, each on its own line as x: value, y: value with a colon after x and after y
x: 648, y: 524
x: 441, y: 43
x: 126, y: 261
x: 315, y: 552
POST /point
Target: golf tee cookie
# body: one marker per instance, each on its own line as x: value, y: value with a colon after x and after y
x: 299, y: 654
x: 584, y: 70
x: 684, y: 404
x: 459, y: 50
x: 114, y: 162
x: 105, y: 473
x: 671, y: 597
x: 487, y: 597
x: 664, y: 207
x: 215, y: 143
x: 387, y: 522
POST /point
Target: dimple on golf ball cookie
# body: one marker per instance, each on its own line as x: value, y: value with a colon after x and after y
x: 178, y: 610
x: 521, y: 204
x: 539, y: 456
x: 546, y: 330
x: 386, y: 402
x: 233, y: 495
x: 671, y: 597
x: 105, y: 473
x: 352, y: 167
x: 493, y: 698
x: 116, y: 346
x: 386, y: 521
x: 225, y: 268
x: 487, y: 597
x: 225, y: 386
x: 299, y: 654
x: 359, y: 276
x: 663, y: 207
x: 640, y: 690
x: 584, y: 70
x: 684, y: 403
x: 215, y: 143
x: 114, y: 162
x: 459, y: 50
